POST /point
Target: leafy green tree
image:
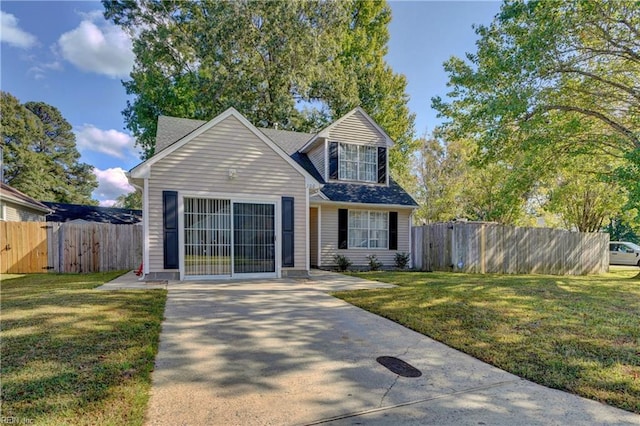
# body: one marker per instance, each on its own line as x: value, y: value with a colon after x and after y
x: 583, y: 198
x: 441, y: 169
x: 621, y: 229
x: 451, y: 184
x: 554, y: 80
x: 132, y: 200
x: 40, y: 155
x: 297, y: 63
x: 368, y: 81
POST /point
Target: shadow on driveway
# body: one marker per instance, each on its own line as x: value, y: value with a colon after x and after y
x: 284, y: 352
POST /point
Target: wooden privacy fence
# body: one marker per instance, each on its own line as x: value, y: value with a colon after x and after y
x: 491, y: 248
x: 34, y: 247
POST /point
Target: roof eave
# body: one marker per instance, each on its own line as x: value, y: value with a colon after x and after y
x: 356, y: 204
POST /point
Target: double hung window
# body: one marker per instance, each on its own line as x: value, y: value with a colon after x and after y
x: 357, y: 162
x: 368, y: 229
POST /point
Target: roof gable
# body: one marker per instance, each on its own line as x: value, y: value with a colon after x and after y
x: 142, y: 170
x: 356, y: 114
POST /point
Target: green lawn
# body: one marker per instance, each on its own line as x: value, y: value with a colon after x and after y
x: 74, y: 355
x: 580, y: 334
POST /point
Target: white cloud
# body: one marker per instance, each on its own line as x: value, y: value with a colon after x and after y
x: 112, y: 182
x: 103, y: 49
x: 107, y: 203
x: 110, y: 142
x: 12, y: 34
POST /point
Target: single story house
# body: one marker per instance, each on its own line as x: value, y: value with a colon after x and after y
x: 79, y: 213
x: 15, y: 206
x: 224, y: 199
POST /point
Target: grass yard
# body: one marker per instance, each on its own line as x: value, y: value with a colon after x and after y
x: 579, y: 334
x: 74, y: 355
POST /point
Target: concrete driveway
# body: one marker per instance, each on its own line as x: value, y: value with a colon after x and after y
x: 284, y: 352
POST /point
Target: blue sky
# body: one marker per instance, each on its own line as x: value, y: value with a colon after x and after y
x: 65, y: 54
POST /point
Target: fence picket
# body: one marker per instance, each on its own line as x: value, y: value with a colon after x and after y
x: 492, y: 248
x: 35, y: 247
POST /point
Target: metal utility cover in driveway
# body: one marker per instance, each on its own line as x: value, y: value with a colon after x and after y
x: 284, y: 352
x: 398, y: 366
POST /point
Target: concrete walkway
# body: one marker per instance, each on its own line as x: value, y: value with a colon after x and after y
x: 284, y: 352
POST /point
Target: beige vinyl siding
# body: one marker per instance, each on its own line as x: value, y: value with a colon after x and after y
x: 357, y: 129
x: 17, y: 213
x: 202, y: 165
x: 329, y: 238
x: 317, y: 156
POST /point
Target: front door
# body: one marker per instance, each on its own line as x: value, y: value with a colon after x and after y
x: 223, y: 238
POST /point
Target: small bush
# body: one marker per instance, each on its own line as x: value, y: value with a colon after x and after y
x: 342, y: 262
x: 401, y: 260
x: 374, y: 263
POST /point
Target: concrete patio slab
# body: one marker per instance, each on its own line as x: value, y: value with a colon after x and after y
x: 284, y: 352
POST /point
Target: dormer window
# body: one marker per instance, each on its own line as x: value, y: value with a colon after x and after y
x: 361, y: 163
x: 357, y: 162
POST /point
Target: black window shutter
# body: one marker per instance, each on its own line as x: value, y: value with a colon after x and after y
x: 393, y: 230
x: 170, y: 229
x: 287, y: 232
x: 343, y: 228
x: 333, y: 160
x: 382, y: 165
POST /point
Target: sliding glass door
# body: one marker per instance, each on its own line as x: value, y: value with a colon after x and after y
x: 253, y: 238
x: 225, y: 238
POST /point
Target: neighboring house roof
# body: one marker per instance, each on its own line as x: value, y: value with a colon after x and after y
x: 76, y: 212
x: 368, y: 194
x: 9, y: 193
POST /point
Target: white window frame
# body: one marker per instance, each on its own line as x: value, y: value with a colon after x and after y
x: 359, y: 162
x: 369, y: 229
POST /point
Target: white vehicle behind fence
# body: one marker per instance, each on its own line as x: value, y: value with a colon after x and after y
x: 623, y: 253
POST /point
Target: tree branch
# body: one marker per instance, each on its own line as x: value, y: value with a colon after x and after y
x: 630, y: 90
x: 598, y: 115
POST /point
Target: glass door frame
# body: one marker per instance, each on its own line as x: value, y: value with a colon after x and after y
x: 250, y: 199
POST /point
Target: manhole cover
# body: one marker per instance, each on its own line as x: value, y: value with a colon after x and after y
x: 398, y: 366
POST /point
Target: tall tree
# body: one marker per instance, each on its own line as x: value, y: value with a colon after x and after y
x: 583, y: 197
x: 40, y: 155
x: 442, y: 170
x: 298, y: 63
x: 553, y: 79
x: 368, y: 81
x: 132, y: 200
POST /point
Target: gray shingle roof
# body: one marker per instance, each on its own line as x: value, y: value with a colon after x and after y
x: 171, y: 129
x: 368, y: 194
x: 289, y: 141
